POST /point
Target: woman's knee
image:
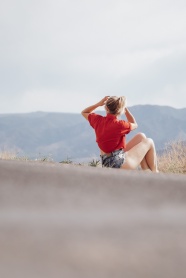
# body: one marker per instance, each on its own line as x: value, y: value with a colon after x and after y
x: 149, y: 141
x: 142, y: 135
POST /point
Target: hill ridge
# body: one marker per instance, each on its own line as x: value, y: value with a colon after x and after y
x: 61, y: 135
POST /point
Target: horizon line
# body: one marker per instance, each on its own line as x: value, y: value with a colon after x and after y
x: 62, y: 112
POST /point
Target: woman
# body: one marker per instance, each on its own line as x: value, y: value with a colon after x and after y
x: 111, y: 133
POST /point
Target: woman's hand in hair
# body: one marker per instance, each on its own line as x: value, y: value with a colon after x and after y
x: 102, y: 101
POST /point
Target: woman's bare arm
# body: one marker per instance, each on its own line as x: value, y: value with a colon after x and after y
x: 91, y: 108
x: 131, y: 119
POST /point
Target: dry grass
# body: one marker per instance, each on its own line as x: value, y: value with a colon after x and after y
x: 11, y: 155
x: 7, y: 155
x: 173, y: 159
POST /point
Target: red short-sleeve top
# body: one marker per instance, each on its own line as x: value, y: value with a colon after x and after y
x: 110, y: 131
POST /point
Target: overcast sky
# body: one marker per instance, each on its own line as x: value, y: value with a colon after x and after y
x: 63, y: 55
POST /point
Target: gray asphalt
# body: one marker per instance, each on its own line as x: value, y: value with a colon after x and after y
x: 65, y: 221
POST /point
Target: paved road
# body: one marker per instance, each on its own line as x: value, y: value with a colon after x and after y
x: 64, y: 221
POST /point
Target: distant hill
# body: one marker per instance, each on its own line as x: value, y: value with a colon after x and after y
x: 62, y: 135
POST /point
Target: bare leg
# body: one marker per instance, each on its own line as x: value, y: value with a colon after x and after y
x: 151, y: 157
x: 133, y: 142
x: 135, y: 156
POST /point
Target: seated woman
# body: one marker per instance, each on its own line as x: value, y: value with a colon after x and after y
x: 110, y: 136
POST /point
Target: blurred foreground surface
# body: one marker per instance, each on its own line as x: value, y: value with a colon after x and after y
x: 65, y: 221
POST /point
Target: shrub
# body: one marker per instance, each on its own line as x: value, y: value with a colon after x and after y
x: 94, y: 163
x: 66, y: 161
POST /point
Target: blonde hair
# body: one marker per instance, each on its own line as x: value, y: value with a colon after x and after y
x: 115, y: 105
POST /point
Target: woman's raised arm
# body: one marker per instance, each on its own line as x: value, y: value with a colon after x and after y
x: 91, y: 108
x: 131, y: 119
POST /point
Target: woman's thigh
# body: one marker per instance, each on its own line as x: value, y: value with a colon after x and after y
x: 134, y: 141
x: 135, y: 155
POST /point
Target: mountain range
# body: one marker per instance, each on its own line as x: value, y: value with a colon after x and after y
x: 66, y: 135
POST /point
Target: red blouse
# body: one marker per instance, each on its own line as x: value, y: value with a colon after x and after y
x: 110, y: 131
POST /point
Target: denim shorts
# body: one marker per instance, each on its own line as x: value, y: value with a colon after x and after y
x: 115, y: 160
